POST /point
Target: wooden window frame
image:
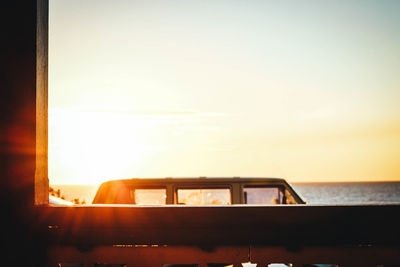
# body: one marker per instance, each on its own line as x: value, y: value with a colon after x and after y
x: 291, y: 226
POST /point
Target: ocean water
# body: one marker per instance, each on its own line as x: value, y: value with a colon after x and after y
x: 349, y: 193
x: 313, y: 193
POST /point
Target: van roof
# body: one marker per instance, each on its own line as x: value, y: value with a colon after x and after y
x: 200, y: 179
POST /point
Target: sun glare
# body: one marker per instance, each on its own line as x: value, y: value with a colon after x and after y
x: 100, y: 145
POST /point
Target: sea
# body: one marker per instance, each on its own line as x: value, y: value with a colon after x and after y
x: 313, y: 193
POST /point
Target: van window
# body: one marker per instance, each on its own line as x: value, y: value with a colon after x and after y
x: 263, y: 195
x: 204, y: 196
x: 150, y: 196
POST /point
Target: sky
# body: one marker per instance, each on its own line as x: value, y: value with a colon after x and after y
x: 304, y: 90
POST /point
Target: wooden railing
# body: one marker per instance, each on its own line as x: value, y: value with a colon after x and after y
x: 364, y: 235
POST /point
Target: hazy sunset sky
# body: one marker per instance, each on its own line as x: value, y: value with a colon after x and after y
x: 304, y: 90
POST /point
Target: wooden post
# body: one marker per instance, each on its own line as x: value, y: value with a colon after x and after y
x: 41, y: 173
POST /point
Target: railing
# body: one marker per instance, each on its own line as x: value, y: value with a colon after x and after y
x: 140, y: 255
x: 364, y: 235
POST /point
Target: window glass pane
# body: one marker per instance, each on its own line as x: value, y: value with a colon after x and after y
x: 150, y: 196
x: 262, y: 195
x: 211, y: 196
